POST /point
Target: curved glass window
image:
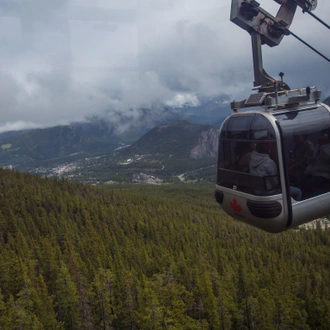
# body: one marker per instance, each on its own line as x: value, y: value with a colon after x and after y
x: 248, y: 155
x: 306, y: 149
x: 239, y: 127
x: 261, y: 129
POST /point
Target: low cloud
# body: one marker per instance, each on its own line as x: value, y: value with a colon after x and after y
x: 69, y: 60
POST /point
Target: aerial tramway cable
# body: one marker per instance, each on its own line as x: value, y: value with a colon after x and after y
x: 307, y: 10
x: 282, y: 30
x: 309, y: 46
x: 313, y: 15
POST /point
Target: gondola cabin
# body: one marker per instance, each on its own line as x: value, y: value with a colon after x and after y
x: 274, y: 164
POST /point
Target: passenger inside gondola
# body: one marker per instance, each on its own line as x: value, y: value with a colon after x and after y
x: 316, y: 179
x: 262, y: 165
x: 243, y: 151
x: 300, y: 157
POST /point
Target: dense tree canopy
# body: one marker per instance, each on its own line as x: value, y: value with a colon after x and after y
x: 150, y: 257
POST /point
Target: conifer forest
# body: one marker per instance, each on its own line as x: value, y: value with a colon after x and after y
x: 126, y: 257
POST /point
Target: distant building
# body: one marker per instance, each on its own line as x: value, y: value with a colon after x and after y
x: 322, y: 223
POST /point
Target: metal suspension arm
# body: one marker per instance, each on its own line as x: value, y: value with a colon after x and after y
x: 264, y: 29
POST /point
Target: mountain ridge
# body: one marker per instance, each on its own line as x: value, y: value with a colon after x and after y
x: 166, y: 151
x: 180, y: 138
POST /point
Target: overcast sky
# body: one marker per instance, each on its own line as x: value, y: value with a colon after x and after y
x: 67, y: 60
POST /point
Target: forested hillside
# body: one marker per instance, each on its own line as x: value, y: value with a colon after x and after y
x: 150, y: 257
x: 34, y: 148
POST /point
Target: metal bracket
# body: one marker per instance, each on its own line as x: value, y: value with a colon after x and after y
x: 280, y: 98
x: 265, y: 29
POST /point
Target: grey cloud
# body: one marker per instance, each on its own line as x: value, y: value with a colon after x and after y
x: 81, y: 13
x: 9, y: 93
x: 68, y: 60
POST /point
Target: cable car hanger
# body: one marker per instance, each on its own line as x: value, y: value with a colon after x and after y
x: 264, y: 28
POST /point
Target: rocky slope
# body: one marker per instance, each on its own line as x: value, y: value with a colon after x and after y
x: 206, y: 145
x: 181, y: 139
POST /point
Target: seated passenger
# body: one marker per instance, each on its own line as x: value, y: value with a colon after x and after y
x: 317, y: 174
x: 299, y: 160
x: 262, y: 165
x: 243, y: 151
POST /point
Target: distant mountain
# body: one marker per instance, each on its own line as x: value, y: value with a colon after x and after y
x: 210, y: 111
x: 97, y: 135
x: 180, y: 139
x: 93, y: 153
x: 180, y: 151
x: 8, y: 134
x: 40, y: 145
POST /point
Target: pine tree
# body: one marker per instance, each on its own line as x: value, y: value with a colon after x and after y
x: 67, y: 299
